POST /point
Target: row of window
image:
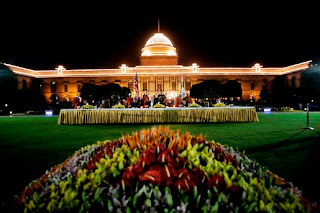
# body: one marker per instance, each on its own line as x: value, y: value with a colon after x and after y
x: 159, y: 84
x: 65, y: 86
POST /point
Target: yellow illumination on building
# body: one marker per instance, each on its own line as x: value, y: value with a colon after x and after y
x: 257, y: 66
x: 123, y: 68
x: 159, y: 45
x: 60, y: 69
x: 194, y: 67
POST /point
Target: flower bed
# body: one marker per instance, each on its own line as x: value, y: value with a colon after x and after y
x: 160, y: 170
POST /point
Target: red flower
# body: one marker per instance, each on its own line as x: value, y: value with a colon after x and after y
x: 183, y: 184
x: 229, y: 158
x: 138, y: 169
x: 152, y: 176
x: 128, y: 176
x: 165, y: 156
x: 218, y: 148
x: 147, y: 157
x: 216, y: 180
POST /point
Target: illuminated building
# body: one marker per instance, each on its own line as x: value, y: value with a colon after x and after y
x: 159, y: 73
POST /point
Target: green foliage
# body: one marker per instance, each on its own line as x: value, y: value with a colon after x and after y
x: 194, y: 105
x: 206, y: 89
x: 231, y: 89
x: 103, y: 91
x: 8, y: 85
x: 220, y: 104
x: 118, y: 106
x: 159, y: 106
x: 87, y: 106
x: 310, y: 83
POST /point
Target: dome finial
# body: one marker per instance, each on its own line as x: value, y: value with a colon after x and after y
x: 158, y: 25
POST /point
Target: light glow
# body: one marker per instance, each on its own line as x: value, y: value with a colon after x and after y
x: 60, y: 69
x: 48, y: 112
x: 123, y: 68
x: 267, y: 109
x: 257, y: 66
x: 194, y: 67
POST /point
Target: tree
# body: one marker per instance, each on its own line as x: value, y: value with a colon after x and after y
x: 89, y: 91
x: 125, y: 91
x: 206, y: 89
x: 264, y: 94
x: 8, y: 86
x: 232, y: 89
x: 310, y: 84
x: 280, y: 92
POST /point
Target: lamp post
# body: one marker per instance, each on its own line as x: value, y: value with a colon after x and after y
x: 307, y: 120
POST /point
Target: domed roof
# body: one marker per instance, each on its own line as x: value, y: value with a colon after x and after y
x: 158, y: 45
x: 158, y: 39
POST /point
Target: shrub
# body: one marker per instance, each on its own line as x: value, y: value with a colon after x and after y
x: 220, y: 104
x: 194, y: 105
x: 87, y: 107
x: 159, y: 106
x: 118, y: 106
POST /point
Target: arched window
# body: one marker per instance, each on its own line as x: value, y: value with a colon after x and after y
x: 53, y: 86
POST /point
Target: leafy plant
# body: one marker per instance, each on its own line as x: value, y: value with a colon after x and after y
x: 194, y: 105
x: 87, y: 106
x: 159, y: 106
x: 118, y: 106
x: 219, y: 104
x: 160, y: 170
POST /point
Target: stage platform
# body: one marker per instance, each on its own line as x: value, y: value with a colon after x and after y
x: 158, y: 115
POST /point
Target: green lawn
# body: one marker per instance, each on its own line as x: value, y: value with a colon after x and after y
x: 31, y: 145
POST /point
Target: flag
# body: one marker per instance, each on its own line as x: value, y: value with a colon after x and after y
x: 182, y: 87
x: 136, y: 86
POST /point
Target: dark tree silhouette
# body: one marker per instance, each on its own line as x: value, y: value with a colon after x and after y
x: 231, y: 89
x: 206, y: 89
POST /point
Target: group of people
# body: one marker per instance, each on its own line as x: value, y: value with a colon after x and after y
x: 146, y: 101
x: 131, y: 102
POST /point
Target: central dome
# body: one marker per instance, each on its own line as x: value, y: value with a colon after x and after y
x: 158, y: 39
x: 159, y: 45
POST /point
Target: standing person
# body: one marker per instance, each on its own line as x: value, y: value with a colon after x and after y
x: 177, y: 102
x: 129, y: 101
x: 152, y: 100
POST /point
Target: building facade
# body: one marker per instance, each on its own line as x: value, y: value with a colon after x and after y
x: 159, y: 73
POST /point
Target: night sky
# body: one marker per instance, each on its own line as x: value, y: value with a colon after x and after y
x: 87, y: 35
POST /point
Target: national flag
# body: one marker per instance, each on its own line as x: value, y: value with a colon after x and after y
x: 182, y: 87
x: 136, y: 86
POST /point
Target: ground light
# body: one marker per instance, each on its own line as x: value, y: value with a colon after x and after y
x: 48, y: 112
x: 267, y: 109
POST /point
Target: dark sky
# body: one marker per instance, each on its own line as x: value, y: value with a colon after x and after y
x: 87, y: 35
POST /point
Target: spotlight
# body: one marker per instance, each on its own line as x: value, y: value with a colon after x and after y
x: 48, y: 112
x: 267, y: 109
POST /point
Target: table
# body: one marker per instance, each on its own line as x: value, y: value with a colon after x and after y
x: 158, y: 115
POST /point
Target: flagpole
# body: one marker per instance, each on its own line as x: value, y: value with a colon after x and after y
x: 182, y: 86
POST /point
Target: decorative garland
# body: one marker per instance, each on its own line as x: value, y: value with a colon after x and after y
x: 160, y: 170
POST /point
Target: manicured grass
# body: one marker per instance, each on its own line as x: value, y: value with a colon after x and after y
x: 31, y: 145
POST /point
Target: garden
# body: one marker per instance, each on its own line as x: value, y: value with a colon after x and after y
x: 269, y: 167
